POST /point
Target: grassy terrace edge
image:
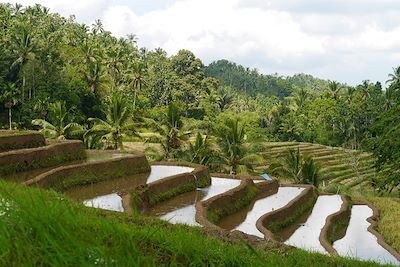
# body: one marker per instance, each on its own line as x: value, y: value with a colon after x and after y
x: 81, y: 236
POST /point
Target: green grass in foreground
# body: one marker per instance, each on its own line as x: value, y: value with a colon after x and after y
x: 388, y: 224
x: 43, y: 228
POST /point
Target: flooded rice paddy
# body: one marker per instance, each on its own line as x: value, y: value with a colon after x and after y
x: 358, y: 242
x: 105, y: 195
x: 181, y: 209
x: 245, y: 220
x: 307, y: 235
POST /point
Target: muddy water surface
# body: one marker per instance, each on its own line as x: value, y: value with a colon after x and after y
x: 358, y: 242
x: 307, y: 235
x: 181, y: 209
x: 104, y: 194
x: 245, y: 220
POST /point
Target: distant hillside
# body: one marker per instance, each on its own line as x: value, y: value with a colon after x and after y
x: 252, y: 82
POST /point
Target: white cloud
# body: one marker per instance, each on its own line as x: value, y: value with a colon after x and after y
x: 85, y: 10
x: 346, y: 40
x: 208, y: 25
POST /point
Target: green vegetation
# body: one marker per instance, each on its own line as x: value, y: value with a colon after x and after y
x: 234, y: 154
x: 46, y: 59
x: 117, y: 124
x: 388, y: 224
x: 170, y: 131
x: 62, y: 232
x: 45, y: 159
x: 215, y: 214
x: 10, y: 98
x: 300, y: 170
x: 277, y: 226
x: 340, y: 170
x: 339, y: 226
x: 58, y: 128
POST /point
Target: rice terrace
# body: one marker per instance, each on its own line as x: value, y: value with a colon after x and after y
x: 113, y: 154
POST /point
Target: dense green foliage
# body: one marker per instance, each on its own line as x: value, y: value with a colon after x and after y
x: 45, y: 58
x: 298, y: 168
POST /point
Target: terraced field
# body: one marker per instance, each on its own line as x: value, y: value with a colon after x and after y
x: 350, y: 168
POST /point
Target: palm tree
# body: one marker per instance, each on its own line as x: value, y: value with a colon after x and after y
x: 117, y: 124
x: 334, y: 89
x: 170, y: 130
x: 310, y: 171
x: 225, y: 98
x: 95, y: 75
x: 137, y: 80
x: 10, y: 98
x: 395, y: 76
x: 290, y: 166
x: 24, y: 50
x: 299, y: 169
x: 114, y: 62
x: 300, y: 98
x: 41, y: 106
x: 58, y: 127
x: 350, y: 93
x: 233, y: 151
x: 200, y: 151
x: 365, y: 90
x: 389, y: 97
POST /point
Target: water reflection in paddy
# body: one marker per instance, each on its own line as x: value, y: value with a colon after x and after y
x: 245, y: 220
x: 307, y: 235
x: 360, y: 243
x: 104, y: 194
x: 181, y: 209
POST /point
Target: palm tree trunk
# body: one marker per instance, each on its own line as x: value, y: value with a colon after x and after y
x: 134, y: 99
x: 23, y: 87
x: 10, y: 118
x: 233, y: 170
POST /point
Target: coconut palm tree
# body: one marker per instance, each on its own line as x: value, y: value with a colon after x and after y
x: 334, y: 89
x: 299, y: 169
x: 350, y: 93
x: 289, y: 166
x: 24, y: 49
x: 59, y: 127
x: 95, y: 75
x: 201, y: 151
x: 395, y: 76
x: 233, y: 152
x: 170, y: 130
x: 117, y: 124
x: 365, y: 90
x: 310, y: 171
x: 10, y: 98
x: 137, y: 80
x: 300, y: 98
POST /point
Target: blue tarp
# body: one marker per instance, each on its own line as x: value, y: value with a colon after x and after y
x: 265, y: 176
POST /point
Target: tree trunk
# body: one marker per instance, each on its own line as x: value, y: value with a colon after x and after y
x: 23, y: 88
x: 134, y: 99
x: 10, y: 118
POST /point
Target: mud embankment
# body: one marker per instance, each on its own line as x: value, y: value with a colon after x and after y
x: 212, y: 210
x: 66, y: 177
x: 279, y: 219
x: 146, y: 196
x: 13, y: 140
x: 336, y: 225
x: 52, y: 154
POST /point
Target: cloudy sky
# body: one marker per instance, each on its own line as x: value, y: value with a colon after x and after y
x: 344, y: 40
